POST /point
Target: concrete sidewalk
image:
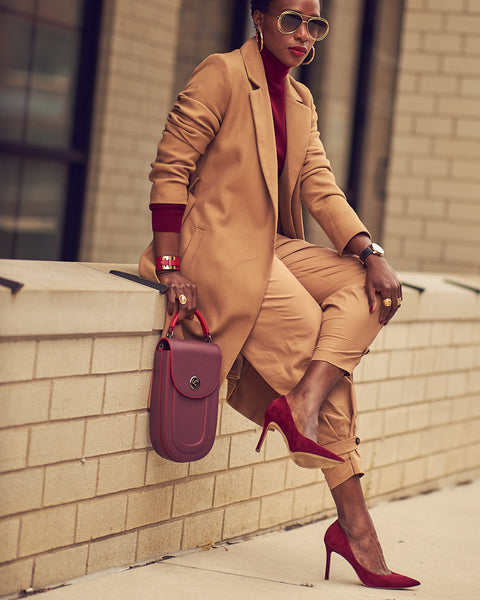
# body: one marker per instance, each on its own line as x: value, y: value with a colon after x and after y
x: 432, y: 537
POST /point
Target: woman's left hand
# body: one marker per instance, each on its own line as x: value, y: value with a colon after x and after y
x: 382, y: 285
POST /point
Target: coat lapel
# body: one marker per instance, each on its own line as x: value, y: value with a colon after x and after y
x: 298, y: 117
x: 262, y: 117
x: 298, y: 129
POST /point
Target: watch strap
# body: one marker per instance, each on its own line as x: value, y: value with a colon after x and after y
x: 373, y: 248
x: 365, y: 253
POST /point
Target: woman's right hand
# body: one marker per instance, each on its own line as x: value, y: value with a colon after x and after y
x: 179, y: 285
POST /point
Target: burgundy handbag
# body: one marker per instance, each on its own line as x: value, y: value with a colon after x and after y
x: 184, y: 395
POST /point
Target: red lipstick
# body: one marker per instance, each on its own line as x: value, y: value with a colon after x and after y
x: 298, y: 50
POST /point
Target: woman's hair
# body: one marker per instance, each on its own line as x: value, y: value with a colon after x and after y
x: 261, y: 5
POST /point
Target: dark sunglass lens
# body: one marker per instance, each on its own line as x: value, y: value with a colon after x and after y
x: 290, y: 22
x: 317, y: 28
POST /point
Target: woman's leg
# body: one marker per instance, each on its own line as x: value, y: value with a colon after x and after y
x: 290, y: 329
x: 324, y: 398
x: 357, y: 524
x: 348, y: 328
x: 307, y: 397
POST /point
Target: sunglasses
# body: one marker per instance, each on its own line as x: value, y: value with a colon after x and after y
x: 290, y: 20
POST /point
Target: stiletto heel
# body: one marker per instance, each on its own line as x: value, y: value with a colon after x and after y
x: 304, y: 452
x: 262, y: 438
x: 327, y: 564
x: 336, y: 541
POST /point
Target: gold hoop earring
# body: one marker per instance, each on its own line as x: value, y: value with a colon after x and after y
x: 259, y: 43
x: 313, y: 56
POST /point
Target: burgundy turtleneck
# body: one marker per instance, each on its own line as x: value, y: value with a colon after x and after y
x: 168, y: 217
x: 276, y: 73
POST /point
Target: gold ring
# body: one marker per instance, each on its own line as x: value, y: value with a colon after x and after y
x: 399, y: 301
x: 387, y: 302
x: 182, y: 299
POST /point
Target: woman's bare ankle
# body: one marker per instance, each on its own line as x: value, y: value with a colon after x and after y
x: 365, y: 544
x: 304, y: 417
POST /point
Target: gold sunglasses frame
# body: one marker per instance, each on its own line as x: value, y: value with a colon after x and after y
x: 307, y: 21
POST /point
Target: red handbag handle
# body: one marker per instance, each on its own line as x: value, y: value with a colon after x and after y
x: 203, y: 323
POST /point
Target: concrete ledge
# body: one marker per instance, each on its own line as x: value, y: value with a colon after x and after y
x: 440, y: 300
x: 60, y: 298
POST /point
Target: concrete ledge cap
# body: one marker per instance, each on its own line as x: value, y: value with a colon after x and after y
x: 62, y: 298
x: 439, y: 300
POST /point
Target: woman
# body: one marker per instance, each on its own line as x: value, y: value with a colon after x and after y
x: 239, y: 155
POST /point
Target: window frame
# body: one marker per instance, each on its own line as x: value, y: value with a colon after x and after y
x: 75, y: 157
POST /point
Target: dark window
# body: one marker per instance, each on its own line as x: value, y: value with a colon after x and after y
x: 353, y: 81
x: 47, y: 65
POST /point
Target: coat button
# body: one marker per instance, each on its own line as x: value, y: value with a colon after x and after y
x: 357, y: 440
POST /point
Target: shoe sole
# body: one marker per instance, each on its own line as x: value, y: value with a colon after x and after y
x: 306, y: 459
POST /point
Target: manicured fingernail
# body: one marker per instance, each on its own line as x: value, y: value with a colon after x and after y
x: 371, y: 308
x: 170, y: 312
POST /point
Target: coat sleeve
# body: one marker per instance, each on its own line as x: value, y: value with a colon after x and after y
x: 193, y: 122
x: 321, y: 195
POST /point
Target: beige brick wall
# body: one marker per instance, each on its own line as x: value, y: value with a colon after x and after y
x: 205, y: 28
x: 82, y: 490
x: 433, y: 209
x: 133, y: 96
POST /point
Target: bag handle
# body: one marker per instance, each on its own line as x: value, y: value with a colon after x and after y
x: 203, y: 323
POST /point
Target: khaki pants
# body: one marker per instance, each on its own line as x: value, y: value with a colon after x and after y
x: 316, y: 308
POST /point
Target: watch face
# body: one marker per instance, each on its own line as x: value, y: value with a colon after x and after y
x: 377, y: 249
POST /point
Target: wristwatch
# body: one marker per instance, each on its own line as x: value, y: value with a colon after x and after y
x: 372, y: 249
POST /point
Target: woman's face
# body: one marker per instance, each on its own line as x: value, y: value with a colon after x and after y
x: 291, y: 49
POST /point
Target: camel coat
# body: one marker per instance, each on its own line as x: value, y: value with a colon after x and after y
x: 218, y: 157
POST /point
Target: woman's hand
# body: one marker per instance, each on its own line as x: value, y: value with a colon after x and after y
x: 381, y: 279
x: 167, y: 243
x: 180, y: 287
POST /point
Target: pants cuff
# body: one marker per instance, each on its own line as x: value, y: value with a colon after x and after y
x: 339, y: 359
x: 352, y: 466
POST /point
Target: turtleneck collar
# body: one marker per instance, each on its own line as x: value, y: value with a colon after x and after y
x: 276, y: 73
x: 275, y: 70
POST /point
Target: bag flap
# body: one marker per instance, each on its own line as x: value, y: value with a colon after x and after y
x: 195, y: 366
